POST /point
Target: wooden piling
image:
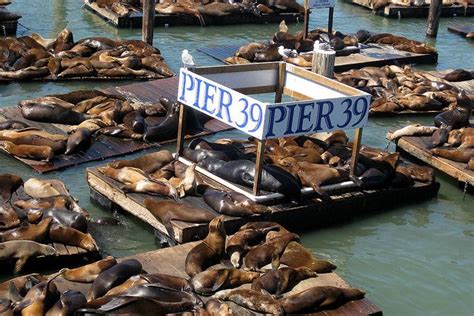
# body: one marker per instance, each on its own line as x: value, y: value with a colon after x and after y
x: 148, y: 21
x: 323, y: 62
x: 433, y: 18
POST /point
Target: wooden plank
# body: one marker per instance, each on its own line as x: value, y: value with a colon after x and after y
x: 461, y: 30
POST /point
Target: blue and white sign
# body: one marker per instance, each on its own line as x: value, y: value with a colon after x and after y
x: 321, y: 4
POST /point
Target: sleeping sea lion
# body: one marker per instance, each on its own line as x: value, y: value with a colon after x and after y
x: 411, y: 130
x: 459, y: 75
x: 68, y: 218
x: 89, y: 272
x: 12, y: 124
x: 269, y: 53
x: 458, y: 116
x: 22, y: 250
x: 37, y: 188
x: 152, y: 187
x: 458, y: 155
x: 210, y: 281
x: 35, y: 137
x: 281, y: 280
x: 248, y: 51
x: 28, y: 151
x: 234, y: 60
x: 252, y: 300
x: 209, y: 251
x: 126, y: 175
x: 232, y: 203
x: 9, y: 183
x: 51, y: 110
x: 149, y: 163
x: 72, y: 237
x: 156, y: 64
x: 26, y: 231
x: 22, y: 284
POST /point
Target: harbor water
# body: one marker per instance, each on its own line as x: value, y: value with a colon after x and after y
x: 417, y: 259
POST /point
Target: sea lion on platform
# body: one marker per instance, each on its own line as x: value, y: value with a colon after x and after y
x: 61, y: 201
x: 149, y: 163
x: 166, y: 211
x: 217, y: 308
x: 28, y: 151
x: 26, y: 231
x: 69, y: 301
x: 9, y: 183
x: 319, y: 298
x: 152, y: 187
x: 135, y: 121
x: 234, y: 60
x: 269, y: 53
x: 458, y: 155
x: 126, y: 175
x: 209, y: 251
x: 113, y: 276
x: 459, y: 75
x: 51, y: 110
x: 79, y: 140
x: 248, y: 51
x: 210, y: 281
x: 438, y: 138
x: 64, y: 41
x: 458, y: 116
x: 35, y: 137
x: 25, y: 73
x: 269, y: 252
x: 22, y: 250
x: 165, y: 280
x: 12, y: 124
x: 22, y: 284
x: 37, y: 188
x: 252, y: 300
x: 232, y: 203
x: 281, y: 280
x: 296, y: 255
x: 39, y: 299
x: 156, y: 64
x: 196, y: 155
x: 89, y: 272
x: 411, y: 130
x: 68, y: 218
x: 72, y: 237
x: 8, y: 217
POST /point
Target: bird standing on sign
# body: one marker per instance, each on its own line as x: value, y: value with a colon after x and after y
x: 187, y: 59
x: 286, y: 52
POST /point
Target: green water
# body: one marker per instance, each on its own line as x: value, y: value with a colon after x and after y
x: 412, y: 260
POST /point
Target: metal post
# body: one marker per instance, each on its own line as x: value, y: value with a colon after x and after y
x: 330, y: 19
x: 433, y: 18
x: 258, y: 167
x: 181, y: 129
x: 355, y: 150
x: 148, y: 21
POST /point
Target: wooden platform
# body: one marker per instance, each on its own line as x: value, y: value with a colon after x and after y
x: 417, y: 147
x: 8, y: 22
x: 461, y: 30
x: 171, y: 261
x: 370, y: 55
x: 107, y: 146
x: 134, y: 20
x: 399, y: 11
x: 307, y: 215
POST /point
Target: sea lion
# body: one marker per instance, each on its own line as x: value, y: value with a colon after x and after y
x: 8, y: 217
x: 165, y: 280
x: 281, y: 280
x: 252, y: 300
x: 319, y: 298
x: 64, y: 41
x: 270, y: 251
x: 22, y: 250
x: 72, y: 237
x: 61, y: 201
x: 470, y: 164
x: 35, y: 137
x: 77, y: 141
x: 12, y: 124
x: 89, y: 272
x: 68, y: 218
x: 166, y: 211
x: 26, y: 231
x: 210, y: 281
x: 156, y: 64
x: 217, y: 308
x: 296, y: 255
x: 37, y: 188
x: 209, y: 251
x: 232, y: 203
x: 28, y: 151
x: 269, y: 53
x: 458, y: 155
x: 459, y: 75
x: 22, y: 284
x: 234, y: 60
x: 9, y: 183
x: 149, y: 163
x: 126, y: 175
x: 248, y: 51
x: 411, y: 130
x: 112, y: 277
x: 91, y: 124
x: 68, y: 303
x: 152, y: 187
x: 458, y: 116
x: 190, y: 184
x: 135, y: 121
x: 39, y: 299
x: 51, y: 110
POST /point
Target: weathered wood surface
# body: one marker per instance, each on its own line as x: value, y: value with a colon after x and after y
x: 399, y: 11
x: 134, y: 20
x: 171, y: 261
x: 461, y: 30
x: 417, y: 147
x: 308, y: 214
x: 370, y: 55
x: 106, y: 146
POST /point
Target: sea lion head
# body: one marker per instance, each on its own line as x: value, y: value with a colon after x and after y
x: 89, y: 243
x: 217, y: 225
x: 289, y: 162
x: 306, y: 272
x: 353, y: 293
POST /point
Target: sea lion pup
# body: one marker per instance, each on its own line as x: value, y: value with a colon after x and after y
x: 9, y: 183
x: 209, y: 251
x: 22, y: 250
x: 112, y: 277
x: 458, y: 155
x: 281, y: 280
x: 149, y: 163
x: 13, y: 124
x: 411, y: 130
x: 248, y: 51
x: 458, y: 116
x: 252, y: 300
x: 296, y: 255
x: 209, y: 281
x: 269, y: 252
x: 232, y: 203
x: 319, y: 298
x: 217, y: 308
x: 8, y: 217
x: 69, y: 301
x: 28, y: 151
x: 72, y: 237
x: 26, y: 231
x: 89, y: 272
x: 35, y: 137
x: 165, y: 280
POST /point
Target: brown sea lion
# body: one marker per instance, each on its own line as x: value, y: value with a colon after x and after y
x: 64, y: 41
x: 148, y: 163
x: 112, y: 277
x: 61, y: 201
x: 189, y: 184
x: 69, y: 301
x: 209, y: 251
x: 152, y: 187
x: 89, y: 272
x: 51, y: 110
x: 234, y: 60
x: 470, y: 164
x: 411, y: 130
x: 252, y: 300
x: 319, y: 298
x: 282, y: 280
x: 459, y: 75
x: 166, y: 211
x: 22, y: 250
x: 8, y: 217
x: 296, y: 255
x: 126, y: 175
x: 13, y: 124
x: 169, y: 281
x: 28, y: 231
x: 77, y: 141
x: 217, y: 308
x: 458, y: 155
x: 39, y: 299
x: 22, y: 284
x: 91, y: 124
x: 248, y: 51
x: 37, y: 188
x: 155, y: 63
x: 210, y: 281
x: 458, y: 116
x: 232, y: 203
x: 28, y: 151
x: 269, y: 252
x: 269, y: 53
x: 9, y: 183
x: 72, y: 237
x: 35, y: 137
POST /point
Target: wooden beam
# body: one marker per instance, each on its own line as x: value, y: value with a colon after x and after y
x: 433, y: 18
x: 148, y: 22
x: 181, y: 129
x: 355, y: 150
x: 258, y: 167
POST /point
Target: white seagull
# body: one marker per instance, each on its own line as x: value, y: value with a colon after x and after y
x: 286, y: 52
x: 187, y: 59
x: 321, y: 46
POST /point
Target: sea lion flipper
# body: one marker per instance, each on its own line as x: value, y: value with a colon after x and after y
x: 13, y: 293
x: 115, y: 303
x: 223, y: 274
x: 20, y: 263
x: 323, y: 195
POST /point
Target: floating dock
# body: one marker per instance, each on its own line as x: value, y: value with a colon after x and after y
x: 370, y: 55
x: 399, y: 11
x: 107, y: 146
x: 8, y: 22
x: 171, y: 261
x: 308, y: 215
x: 416, y: 147
x: 134, y: 19
x: 461, y: 30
